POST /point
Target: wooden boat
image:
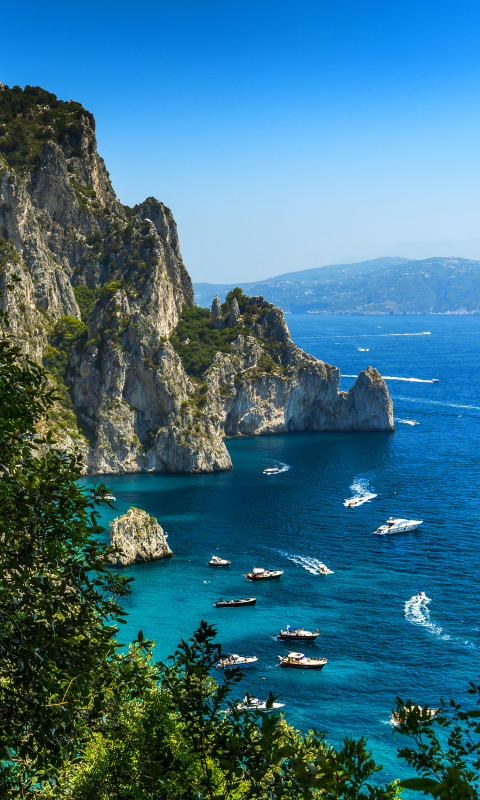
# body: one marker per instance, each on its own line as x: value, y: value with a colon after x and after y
x: 260, y: 574
x: 298, y: 634
x: 254, y: 704
x: 216, y: 561
x: 234, y: 661
x: 246, y: 601
x: 301, y: 661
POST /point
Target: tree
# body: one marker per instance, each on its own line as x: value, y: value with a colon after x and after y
x: 187, y: 740
x: 58, y: 602
x: 447, y: 752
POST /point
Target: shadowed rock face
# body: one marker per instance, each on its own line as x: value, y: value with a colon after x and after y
x: 137, y: 537
x: 131, y: 405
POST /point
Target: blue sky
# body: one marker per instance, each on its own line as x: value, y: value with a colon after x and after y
x: 282, y: 135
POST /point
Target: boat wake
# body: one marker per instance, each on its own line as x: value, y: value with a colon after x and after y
x: 282, y: 467
x: 312, y: 565
x: 393, y: 378
x: 362, y: 493
x: 407, y: 421
x: 416, y: 612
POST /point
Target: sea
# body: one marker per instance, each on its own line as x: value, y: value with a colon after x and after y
x: 380, y: 640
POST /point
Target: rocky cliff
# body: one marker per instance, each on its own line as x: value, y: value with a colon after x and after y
x: 147, y: 381
x: 136, y: 538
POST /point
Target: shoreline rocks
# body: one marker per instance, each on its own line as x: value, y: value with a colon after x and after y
x: 137, y: 538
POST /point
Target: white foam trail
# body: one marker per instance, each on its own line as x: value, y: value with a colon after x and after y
x: 433, y: 402
x: 416, y: 612
x: 362, y: 494
x: 392, y: 378
x: 310, y: 564
x: 407, y: 421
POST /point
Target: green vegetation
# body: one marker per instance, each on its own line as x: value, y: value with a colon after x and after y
x: 8, y: 254
x: 197, y: 354
x: 32, y: 116
x: 86, y: 299
x: 196, y: 340
x: 80, y: 720
x: 68, y: 334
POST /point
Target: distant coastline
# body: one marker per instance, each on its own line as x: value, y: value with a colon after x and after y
x: 380, y: 287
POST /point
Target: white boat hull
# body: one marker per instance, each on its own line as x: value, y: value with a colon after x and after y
x: 411, y: 525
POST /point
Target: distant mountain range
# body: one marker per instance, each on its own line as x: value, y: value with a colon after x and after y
x: 381, y: 286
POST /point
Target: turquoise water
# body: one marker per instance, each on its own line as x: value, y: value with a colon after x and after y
x: 378, y: 640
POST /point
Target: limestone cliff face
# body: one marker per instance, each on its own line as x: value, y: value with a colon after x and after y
x: 136, y: 538
x: 103, y: 300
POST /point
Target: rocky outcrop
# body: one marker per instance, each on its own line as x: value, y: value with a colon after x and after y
x: 106, y: 302
x: 136, y: 537
x: 217, y: 320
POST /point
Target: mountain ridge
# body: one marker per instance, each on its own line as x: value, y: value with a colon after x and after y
x: 441, y: 285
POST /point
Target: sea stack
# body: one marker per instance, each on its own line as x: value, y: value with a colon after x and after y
x: 137, y: 538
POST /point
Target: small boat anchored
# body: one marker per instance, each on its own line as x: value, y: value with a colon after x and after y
x: 254, y: 704
x: 234, y: 661
x: 271, y: 471
x: 398, y: 526
x: 246, y: 601
x: 301, y: 661
x: 216, y: 561
x: 260, y: 574
x: 298, y: 634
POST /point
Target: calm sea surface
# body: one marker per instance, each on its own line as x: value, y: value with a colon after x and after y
x: 379, y: 640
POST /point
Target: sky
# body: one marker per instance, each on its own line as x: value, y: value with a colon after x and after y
x: 283, y: 135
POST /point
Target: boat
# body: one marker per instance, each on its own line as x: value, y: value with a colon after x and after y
x: 398, y: 526
x: 421, y: 595
x: 216, y: 561
x: 271, y: 471
x: 298, y: 634
x: 434, y: 380
x: 254, y: 704
x: 323, y: 570
x: 260, y: 574
x: 354, y: 502
x: 431, y: 712
x: 246, y: 601
x: 301, y: 661
x: 234, y: 661
x: 110, y: 497
x: 426, y: 333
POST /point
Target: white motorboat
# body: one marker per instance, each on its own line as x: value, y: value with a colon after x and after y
x: 421, y: 595
x: 429, y: 712
x: 356, y: 501
x: 301, y: 661
x: 260, y: 574
x: 398, y: 526
x: 271, y: 471
x: 110, y: 497
x: 234, y: 661
x: 216, y: 561
x: 323, y: 570
x: 254, y: 704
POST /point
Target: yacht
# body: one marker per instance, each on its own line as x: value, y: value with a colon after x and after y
x: 398, y: 526
x: 301, y: 661
x: 298, y: 634
x: 260, y: 574
x: 246, y: 601
x: 271, y: 471
x: 234, y: 661
x: 216, y: 561
x: 395, y: 719
x: 254, y: 704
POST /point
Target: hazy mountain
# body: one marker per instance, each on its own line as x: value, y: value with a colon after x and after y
x: 389, y: 285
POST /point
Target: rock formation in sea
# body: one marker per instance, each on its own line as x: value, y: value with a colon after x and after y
x: 147, y: 381
x: 137, y: 537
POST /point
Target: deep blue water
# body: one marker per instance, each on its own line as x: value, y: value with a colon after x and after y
x: 379, y: 643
